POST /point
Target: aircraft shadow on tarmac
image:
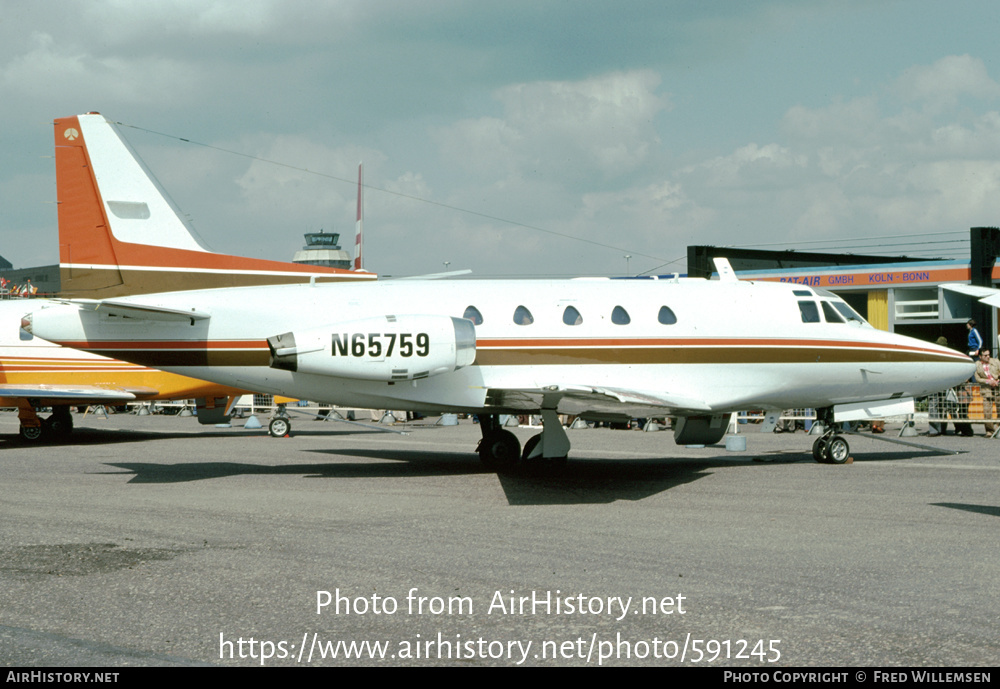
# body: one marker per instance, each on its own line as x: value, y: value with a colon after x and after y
x: 581, y: 481
x: 110, y: 436
x: 991, y: 510
x: 103, y: 437
x: 590, y: 482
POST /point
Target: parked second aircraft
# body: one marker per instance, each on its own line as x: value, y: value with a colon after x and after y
x: 111, y: 245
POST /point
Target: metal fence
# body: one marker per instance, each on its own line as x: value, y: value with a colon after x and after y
x: 961, y: 407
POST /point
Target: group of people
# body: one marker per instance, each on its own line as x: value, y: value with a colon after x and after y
x: 957, y: 400
x: 9, y: 289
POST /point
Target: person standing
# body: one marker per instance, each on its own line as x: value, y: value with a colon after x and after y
x: 975, y: 339
x: 988, y: 377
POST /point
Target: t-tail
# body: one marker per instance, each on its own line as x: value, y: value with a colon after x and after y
x: 119, y: 233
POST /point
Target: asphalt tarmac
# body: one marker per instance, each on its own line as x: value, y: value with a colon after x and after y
x: 156, y: 541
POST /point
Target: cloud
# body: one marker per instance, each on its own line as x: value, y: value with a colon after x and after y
x: 603, y: 125
x: 940, y: 85
x: 60, y: 72
x: 123, y: 20
x: 752, y: 166
x: 854, y: 122
x: 869, y: 165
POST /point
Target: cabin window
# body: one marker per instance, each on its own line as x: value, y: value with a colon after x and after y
x: 571, y: 316
x: 666, y: 316
x: 809, y: 312
x: 831, y: 314
x: 472, y: 314
x: 522, y: 316
x: 620, y: 316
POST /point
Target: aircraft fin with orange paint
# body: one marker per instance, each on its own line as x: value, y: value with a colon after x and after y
x: 120, y: 234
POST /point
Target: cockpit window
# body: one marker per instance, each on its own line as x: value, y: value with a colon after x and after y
x: 850, y: 314
x: 620, y: 316
x: 831, y: 314
x: 666, y: 316
x: 522, y: 316
x: 571, y: 316
x: 472, y: 314
x: 809, y: 312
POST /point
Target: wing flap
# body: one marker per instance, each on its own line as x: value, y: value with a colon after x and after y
x: 581, y: 399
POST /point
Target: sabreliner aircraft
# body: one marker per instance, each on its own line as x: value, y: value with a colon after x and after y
x: 693, y: 349
x: 112, y: 244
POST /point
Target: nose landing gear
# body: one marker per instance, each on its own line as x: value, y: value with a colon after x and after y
x: 830, y: 448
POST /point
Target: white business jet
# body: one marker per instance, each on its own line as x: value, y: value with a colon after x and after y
x: 604, y: 349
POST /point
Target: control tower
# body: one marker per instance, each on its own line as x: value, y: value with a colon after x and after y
x: 323, y: 250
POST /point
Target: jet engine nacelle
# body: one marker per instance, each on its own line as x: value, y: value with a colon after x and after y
x: 386, y: 348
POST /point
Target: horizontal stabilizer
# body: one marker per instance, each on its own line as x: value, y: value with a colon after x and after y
x: 145, y: 311
x: 437, y: 276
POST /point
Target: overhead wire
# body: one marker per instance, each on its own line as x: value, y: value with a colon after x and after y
x: 854, y: 243
x: 439, y: 204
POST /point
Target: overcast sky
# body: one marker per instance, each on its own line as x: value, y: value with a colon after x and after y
x: 638, y: 127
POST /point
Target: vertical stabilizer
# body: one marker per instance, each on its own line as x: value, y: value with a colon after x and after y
x: 87, y: 257
x: 119, y: 233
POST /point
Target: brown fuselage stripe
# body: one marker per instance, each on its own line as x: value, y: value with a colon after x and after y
x: 159, y: 355
x: 687, y: 355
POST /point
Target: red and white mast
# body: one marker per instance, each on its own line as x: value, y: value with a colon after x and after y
x: 358, y: 226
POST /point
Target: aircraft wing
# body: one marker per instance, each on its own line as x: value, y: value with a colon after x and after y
x: 580, y: 399
x: 75, y: 393
x: 986, y: 295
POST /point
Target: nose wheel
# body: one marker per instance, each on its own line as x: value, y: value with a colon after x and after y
x: 832, y: 449
x: 279, y: 427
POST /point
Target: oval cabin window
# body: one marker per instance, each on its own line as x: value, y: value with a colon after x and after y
x: 571, y: 316
x: 666, y: 316
x: 620, y: 316
x: 472, y: 314
x: 522, y: 316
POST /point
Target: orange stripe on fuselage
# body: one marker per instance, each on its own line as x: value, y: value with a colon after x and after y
x: 555, y: 351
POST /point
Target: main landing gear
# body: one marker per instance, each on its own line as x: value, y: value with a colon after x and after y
x: 830, y: 448
x: 500, y: 450
x: 33, y: 429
